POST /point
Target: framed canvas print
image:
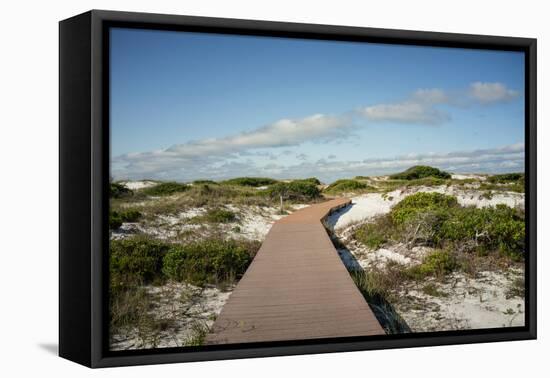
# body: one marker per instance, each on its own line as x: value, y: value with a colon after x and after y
x: 234, y: 188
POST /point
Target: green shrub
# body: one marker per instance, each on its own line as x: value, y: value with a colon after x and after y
x: 437, y: 263
x: 491, y: 228
x: 219, y: 216
x: 119, y: 191
x: 507, y: 178
x: 371, y: 234
x: 295, y: 190
x: 115, y: 221
x: 116, y: 218
x: 165, y: 188
x: 202, y: 182
x: 417, y: 203
x: 421, y: 171
x: 250, y: 181
x: 346, y: 185
x: 209, y: 261
x: 312, y: 180
x: 136, y: 261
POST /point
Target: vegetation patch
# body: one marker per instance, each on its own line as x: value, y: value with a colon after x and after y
x: 438, y: 263
x: 209, y: 261
x: 376, y: 234
x: 216, y: 216
x: 117, y: 190
x: 165, y: 189
x: 140, y: 260
x: 421, y: 203
x: 346, y: 186
x: 421, y: 171
x: 136, y: 261
x: 116, y: 218
x: 250, y: 181
x: 507, y: 178
x: 203, y: 182
x: 312, y: 180
x: 436, y: 220
x: 299, y: 190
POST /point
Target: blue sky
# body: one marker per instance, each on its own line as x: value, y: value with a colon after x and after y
x: 187, y: 106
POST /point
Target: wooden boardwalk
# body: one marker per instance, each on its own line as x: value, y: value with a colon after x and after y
x: 295, y: 288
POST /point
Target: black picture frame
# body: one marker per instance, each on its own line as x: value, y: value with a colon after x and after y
x: 84, y: 179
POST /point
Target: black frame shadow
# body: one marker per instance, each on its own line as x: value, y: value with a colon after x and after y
x: 84, y: 183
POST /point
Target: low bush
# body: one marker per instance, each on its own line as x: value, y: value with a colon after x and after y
x: 218, y: 216
x: 421, y: 171
x: 136, y: 261
x: 312, y: 180
x: 209, y: 261
x: 345, y: 186
x: 491, y: 228
x: 116, y: 218
x: 507, y: 178
x: 202, y: 182
x: 373, y: 235
x: 295, y: 190
x: 419, y: 203
x: 437, y: 263
x: 165, y: 189
x: 117, y: 190
x: 250, y: 181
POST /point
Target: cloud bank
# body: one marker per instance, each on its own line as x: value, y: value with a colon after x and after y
x: 225, y: 157
x: 502, y: 159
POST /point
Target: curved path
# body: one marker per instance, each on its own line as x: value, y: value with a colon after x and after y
x: 295, y: 288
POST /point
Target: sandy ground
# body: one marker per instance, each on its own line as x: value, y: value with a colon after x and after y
x: 457, y: 302
x: 182, y: 308
x: 462, y: 302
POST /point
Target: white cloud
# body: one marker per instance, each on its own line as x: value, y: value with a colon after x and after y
x: 431, y: 96
x: 423, y: 105
x: 488, y: 93
x: 285, y: 132
x: 419, y: 108
x: 405, y: 112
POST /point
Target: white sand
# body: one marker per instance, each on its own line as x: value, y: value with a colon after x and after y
x: 459, y: 176
x: 463, y: 302
x: 136, y: 185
